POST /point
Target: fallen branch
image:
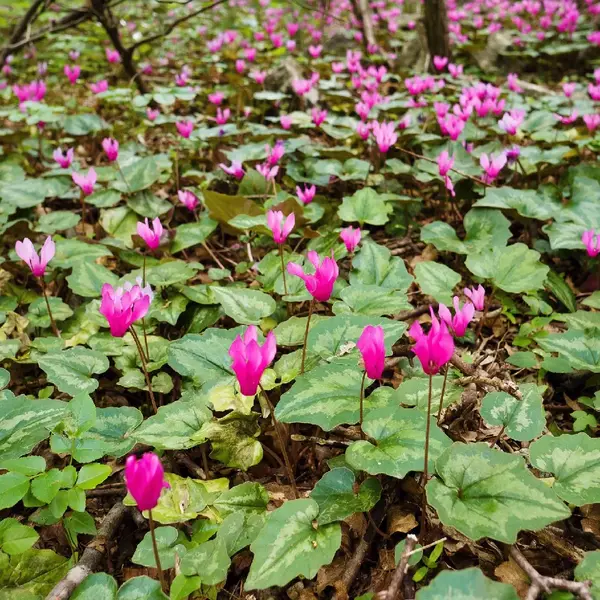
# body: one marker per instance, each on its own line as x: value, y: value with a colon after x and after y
x: 92, y: 556
x: 401, y: 569
x: 480, y: 380
x: 541, y: 583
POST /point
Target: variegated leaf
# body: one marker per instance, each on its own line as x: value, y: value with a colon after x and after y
x: 580, y: 349
x: 290, y: 545
x: 399, y: 435
x: 574, y: 460
x: 523, y: 420
x: 487, y: 493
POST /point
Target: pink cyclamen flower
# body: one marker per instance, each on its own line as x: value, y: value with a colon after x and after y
x: 235, y: 170
x: 112, y: 56
x: 250, y: 359
x: 372, y: 348
x: 222, y: 116
x: 445, y: 163
x: 307, y: 194
x: 492, y: 165
x: 240, y: 65
x: 216, y: 98
x: 439, y: 62
x: 567, y: 119
x: 476, y: 295
x: 64, y: 160
x: 279, y: 225
x: 594, y: 92
x: 151, y: 235
x: 592, y: 122
x: 99, y: 86
x: 274, y: 154
x: 462, y: 316
x: 269, y: 173
x: 26, y: 252
x: 72, y: 73
x: 591, y: 242
x: 152, y: 114
x: 189, y: 200
x: 111, y: 149
x: 124, y: 306
x: 258, y: 76
x: 455, y: 70
x: 85, y: 182
x: 569, y: 88
x: 184, y: 128
x: 451, y: 126
x: 350, y: 237
x: 384, y: 134
x: 315, y: 51
x: 285, y: 122
x: 145, y: 480
x: 318, y: 116
x: 509, y: 124
x: 433, y: 349
x: 320, y: 284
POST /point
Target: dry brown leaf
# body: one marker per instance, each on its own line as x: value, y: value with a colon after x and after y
x: 386, y: 560
x: 400, y: 520
x: 357, y: 523
x: 591, y: 522
x: 509, y: 572
x: 329, y: 574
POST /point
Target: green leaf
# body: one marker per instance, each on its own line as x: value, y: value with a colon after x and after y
x: 183, y: 500
x: 487, y: 493
x: 556, y: 285
x: 119, y: 222
x: 375, y: 265
x: 87, y: 279
x: 399, y: 436
x: 291, y: 331
x: 484, y: 228
x: 243, y: 305
x: 168, y: 549
x: 46, y: 486
x: 365, y: 206
x: 528, y: 203
x: 326, y: 396
x: 16, y: 538
x: 581, y: 349
x: 71, y: 370
x: 70, y: 252
x: 589, y: 570
x: 176, y: 426
x: 24, y: 423
x: 209, y: 561
x: 28, y: 465
x: 4, y: 377
x: 146, y: 204
x: 169, y: 273
x: 139, y: 175
x: 523, y: 419
x: 289, y: 545
x: 191, y: 234
x: 233, y: 440
x: 141, y: 588
x: 239, y: 530
x: 96, y: 586
x: 38, y: 312
x: 223, y: 208
x: 413, y: 559
x: 370, y: 300
x: 336, y: 336
x: 183, y: 586
x: 13, y: 486
x: 84, y: 124
x: 92, y: 475
x: 466, y: 584
x: 79, y: 522
x: 574, y: 460
x: 436, y: 280
x: 514, y: 269
x: 337, y: 499
x: 57, y: 220
x: 32, y: 574
x: 247, y: 497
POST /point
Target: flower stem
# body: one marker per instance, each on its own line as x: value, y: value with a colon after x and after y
x: 362, y: 398
x: 177, y: 165
x: 426, y: 462
x: 82, y: 200
x: 143, y: 318
x: 439, y: 415
x: 123, y: 177
x: 52, y: 321
x: 156, y: 555
x: 488, y: 302
x: 310, y: 311
x: 282, y: 444
x: 285, y: 290
x: 136, y: 339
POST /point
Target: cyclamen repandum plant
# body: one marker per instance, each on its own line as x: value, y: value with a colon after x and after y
x: 289, y: 289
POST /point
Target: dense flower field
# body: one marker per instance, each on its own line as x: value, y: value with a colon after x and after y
x: 291, y: 307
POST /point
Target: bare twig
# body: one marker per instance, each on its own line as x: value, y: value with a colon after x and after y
x: 92, y: 556
x: 401, y: 569
x: 34, y: 11
x: 481, y: 380
x: 541, y: 583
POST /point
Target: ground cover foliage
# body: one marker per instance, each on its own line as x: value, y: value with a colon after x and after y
x: 429, y: 194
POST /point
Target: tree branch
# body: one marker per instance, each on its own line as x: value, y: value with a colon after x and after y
x: 401, y: 569
x: 22, y: 26
x: 542, y: 583
x: 92, y: 555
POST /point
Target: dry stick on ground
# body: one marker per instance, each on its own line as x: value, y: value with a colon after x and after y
x: 541, y: 583
x: 401, y: 569
x: 92, y: 556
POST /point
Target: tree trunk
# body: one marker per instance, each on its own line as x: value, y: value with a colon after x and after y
x: 436, y: 26
x: 363, y: 13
